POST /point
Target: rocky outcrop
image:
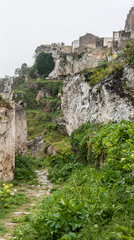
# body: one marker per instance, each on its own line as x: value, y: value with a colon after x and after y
x: 68, y: 63
x: 20, y: 130
x: 43, y: 93
x: 6, y: 88
x: 51, y: 151
x: 36, y: 146
x: 109, y: 100
x: 61, y: 125
x: 7, y: 142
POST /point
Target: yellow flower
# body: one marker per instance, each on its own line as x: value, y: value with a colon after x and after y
x: 123, y: 159
x: 8, y: 191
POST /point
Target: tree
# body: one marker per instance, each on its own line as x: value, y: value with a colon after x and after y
x: 45, y: 63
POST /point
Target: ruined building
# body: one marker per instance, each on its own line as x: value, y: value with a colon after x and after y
x: 120, y: 38
x: 13, y: 130
x: 90, y: 41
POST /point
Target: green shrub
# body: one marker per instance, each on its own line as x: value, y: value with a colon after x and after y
x: 32, y: 71
x: 45, y: 63
x: 61, y: 167
x: 95, y: 75
x: 24, y: 169
x: 51, y: 126
x: 4, y: 103
x: 128, y: 53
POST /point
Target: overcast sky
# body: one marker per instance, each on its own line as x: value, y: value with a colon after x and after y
x: 26, y: 24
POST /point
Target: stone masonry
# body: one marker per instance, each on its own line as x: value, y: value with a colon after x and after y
x: 13, y: 132
x: 7, y: 142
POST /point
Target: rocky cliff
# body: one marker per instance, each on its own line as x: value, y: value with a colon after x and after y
x: 109, y: 100
x: 68, y: 63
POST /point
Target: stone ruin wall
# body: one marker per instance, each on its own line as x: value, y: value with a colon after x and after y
x: 7, y: 143
x: 20, y: 130
x: 13, y: 132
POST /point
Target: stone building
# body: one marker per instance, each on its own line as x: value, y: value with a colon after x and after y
x: 120, y: 38
x: 104, y: 42
x: 90, y: 41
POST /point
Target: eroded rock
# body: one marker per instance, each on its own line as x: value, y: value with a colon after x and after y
x: 106, y: 101
x: 36, y: 146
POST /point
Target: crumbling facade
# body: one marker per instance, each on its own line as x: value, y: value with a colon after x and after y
x: 13, y: 131
x: 7, y: 142
x: 20, y: 130
x: 120, y: 38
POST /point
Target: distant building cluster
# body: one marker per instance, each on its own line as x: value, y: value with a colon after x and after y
x: 119, y: 39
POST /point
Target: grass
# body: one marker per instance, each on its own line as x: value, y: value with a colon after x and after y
x: 105, y: 69
x: 4, y: 103
x: 14, y: 201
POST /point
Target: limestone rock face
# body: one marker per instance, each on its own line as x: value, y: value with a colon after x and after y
x: 51, y: 151
x: 107, y: 101
x: 7, y: 142
x: 6, y: 88
x: 68, y: 63
x: 36, y: 146
x: 20, y: 130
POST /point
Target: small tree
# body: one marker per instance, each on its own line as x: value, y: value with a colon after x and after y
x: 45, y: 63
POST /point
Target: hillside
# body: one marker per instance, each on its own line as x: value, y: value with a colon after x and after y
x: 83, y: 183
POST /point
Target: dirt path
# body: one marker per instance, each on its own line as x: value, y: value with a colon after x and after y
x: 35, y: 195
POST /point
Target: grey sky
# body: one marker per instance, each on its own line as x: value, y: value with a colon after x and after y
x: 26, y: 24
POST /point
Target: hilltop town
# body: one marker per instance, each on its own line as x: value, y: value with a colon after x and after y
x: 117, y: 42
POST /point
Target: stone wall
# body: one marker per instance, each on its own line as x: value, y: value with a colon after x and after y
x: 7, y: 142
x: 106, y: 101
x: 20, y: 130
x: 87, y: 39
x: 13, y: 131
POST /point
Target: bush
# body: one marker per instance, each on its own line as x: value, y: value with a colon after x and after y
x: 5, y: 193
x: 24, y: 169
x: 95, y: 75
x: 45, y: 64
x: 4, y: 103
x: 61, y: 167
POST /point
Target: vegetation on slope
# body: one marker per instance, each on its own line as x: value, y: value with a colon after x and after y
x: 4, y: 103
x: 41, y: 119
x: 96, y: 201
x: 105, y: 68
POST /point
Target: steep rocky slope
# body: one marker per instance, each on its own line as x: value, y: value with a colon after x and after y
x: 109, y: 100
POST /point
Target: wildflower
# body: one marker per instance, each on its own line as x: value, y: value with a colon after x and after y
x: 123, y: 159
